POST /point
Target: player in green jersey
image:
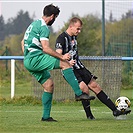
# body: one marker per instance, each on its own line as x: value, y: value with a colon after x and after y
x: 39, y: 59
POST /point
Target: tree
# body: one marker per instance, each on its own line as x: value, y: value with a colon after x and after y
x: 128, y: 14
x: 88, y: 43
x: 21, y: 22
x: 15, y: 25
x: 2, y: 27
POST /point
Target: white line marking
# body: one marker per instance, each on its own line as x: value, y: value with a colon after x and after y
x: 61, y: 111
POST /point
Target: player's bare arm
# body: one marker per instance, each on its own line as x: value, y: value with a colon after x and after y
x: 48, y: 50
x: 22, y: 45
x: 59, y: 51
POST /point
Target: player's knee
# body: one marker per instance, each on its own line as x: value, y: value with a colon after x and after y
x: 64, y: 64
x: 51, y: 85
x: 48, y: 86
x: 93, y: 85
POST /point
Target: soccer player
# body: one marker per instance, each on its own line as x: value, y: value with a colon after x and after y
x: 39, y: 59
x: 67, y: 43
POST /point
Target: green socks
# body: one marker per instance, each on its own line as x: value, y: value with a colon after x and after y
x: 72, y: 80
x: 47, y: 102
x: 47, y: 97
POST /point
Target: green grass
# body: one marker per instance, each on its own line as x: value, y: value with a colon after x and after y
x: 71, y: 118
x: 23, y: 115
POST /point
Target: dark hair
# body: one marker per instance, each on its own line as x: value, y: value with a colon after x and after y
x: 51, y: 9
x: 75, y: 20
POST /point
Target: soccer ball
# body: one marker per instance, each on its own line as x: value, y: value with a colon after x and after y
x: 122, y: 103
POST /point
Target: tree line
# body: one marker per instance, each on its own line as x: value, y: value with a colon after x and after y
x: 14, y: 26
x: 89, y: 40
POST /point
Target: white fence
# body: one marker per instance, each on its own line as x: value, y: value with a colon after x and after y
x: 13, y: 58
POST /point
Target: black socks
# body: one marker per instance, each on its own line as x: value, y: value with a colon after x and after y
x: 106, y: 100
x: 86, y: 106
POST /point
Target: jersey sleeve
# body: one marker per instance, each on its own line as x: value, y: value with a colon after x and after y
x: 60, y: 42
x: 44, y: 33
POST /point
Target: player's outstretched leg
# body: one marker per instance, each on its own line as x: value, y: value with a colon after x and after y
x: 107, y: 101
x: 72, y: 81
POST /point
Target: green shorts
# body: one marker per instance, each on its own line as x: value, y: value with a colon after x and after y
x: 40, y: 65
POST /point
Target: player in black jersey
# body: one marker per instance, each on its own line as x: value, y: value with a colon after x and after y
x: 67, y: 43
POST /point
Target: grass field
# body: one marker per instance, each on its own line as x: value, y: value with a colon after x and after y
x: 70, y: 118
x: 25, y: 118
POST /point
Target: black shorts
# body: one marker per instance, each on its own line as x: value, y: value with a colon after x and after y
x: 84, y: 75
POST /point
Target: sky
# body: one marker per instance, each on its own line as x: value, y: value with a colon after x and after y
x: 10, y: 8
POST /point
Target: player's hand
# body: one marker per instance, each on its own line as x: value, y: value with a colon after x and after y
x: 66, y: 56
x: 72, y: 62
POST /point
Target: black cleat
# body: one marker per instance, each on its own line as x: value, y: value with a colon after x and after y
x: 126, y: 112
x: 84, y: 96
x: 91, y: 117
x: 117, y: 112
x: 50, y: 119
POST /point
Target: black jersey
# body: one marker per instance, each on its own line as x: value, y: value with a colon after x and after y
x: 68, y: 44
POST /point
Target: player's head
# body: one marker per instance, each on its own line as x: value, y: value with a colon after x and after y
x: 52, y: 12
x: 75, y: 26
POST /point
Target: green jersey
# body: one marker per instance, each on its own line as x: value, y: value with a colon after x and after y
x: 37, y: 31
